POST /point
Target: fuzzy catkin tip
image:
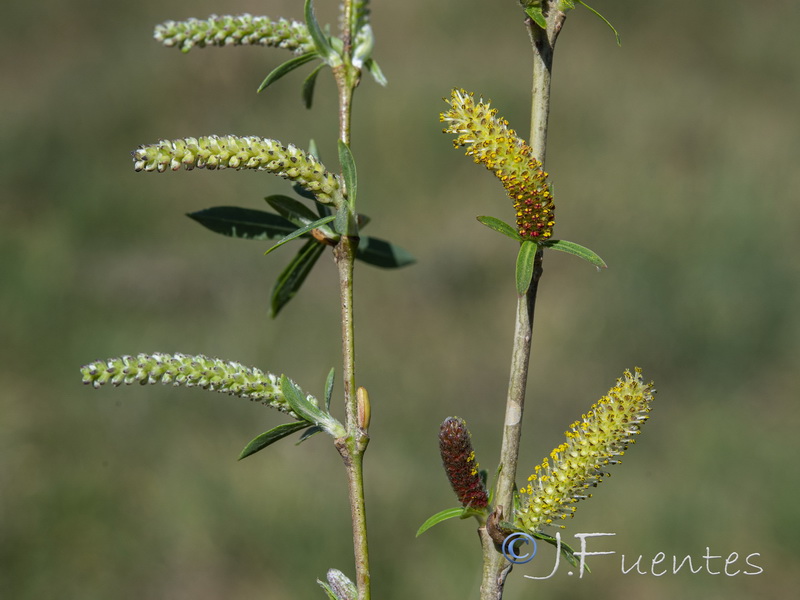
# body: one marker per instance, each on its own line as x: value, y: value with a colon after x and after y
x: 233, y: 152
x: 211, y: 374
x: 239, y: 30
x: 458, y: 458
x: 491, y: 142
x: 593, y: 443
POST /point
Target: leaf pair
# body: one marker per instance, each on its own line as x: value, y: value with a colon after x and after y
x: 528, y: 250
x: 315, y: 418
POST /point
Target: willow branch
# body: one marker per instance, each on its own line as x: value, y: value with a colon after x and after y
x: 496, y: 567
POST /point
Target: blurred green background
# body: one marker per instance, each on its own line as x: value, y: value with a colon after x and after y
x: 674, y: 157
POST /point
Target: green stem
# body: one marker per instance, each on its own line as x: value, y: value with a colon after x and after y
x: 354, y: 444
x: 344, y: 255
x: 496, y: 567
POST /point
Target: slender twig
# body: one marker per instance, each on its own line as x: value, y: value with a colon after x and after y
x: 496, y: 567
x: 352, y: 446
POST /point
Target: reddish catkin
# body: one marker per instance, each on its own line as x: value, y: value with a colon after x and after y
x: 459, y: 462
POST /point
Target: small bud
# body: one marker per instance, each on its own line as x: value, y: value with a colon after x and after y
x: 364, y: 410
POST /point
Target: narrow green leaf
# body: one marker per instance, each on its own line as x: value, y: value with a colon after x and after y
x: 376, y: 72
x: 287, y: 67
x: 292, y: 210
x: 294, y: 275
x: 577, y: 250
x: 449, y: 513
x: 329, y: 388
x: 243, y: 223
x: 602, y: 18
x: 348, y: 172
x: 302, y: 231
x: 270, y: 437
x: 525, y: 260
x: 321, y: 42
x: 381, y: 253
x: 300, y: 402
x: 500, y: 227
x: 308, y: 433
x: 309, y: 84
x: 535, y: 13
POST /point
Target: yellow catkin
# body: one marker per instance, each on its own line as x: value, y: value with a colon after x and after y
x: 592, y: 444
x: 491, y: 142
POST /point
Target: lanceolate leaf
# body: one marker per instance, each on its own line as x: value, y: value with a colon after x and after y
x: 309, y: 84
x: 329, y: 388
x: 270, y: 437
x: 348, y: 172
x: 500, y: 227
x: 308, y: 433
x: 577, y: 250
x: 301, y: 404
x: 294, y: 275
x: 302, y: 231
x: 449, y: 513
x: 320, y: 39
x: 525, y: 260
x: 292, y: 210
x: 287, y: 67
x: 244, y: 223
x: 381, y: 253
x: 439, y: 517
